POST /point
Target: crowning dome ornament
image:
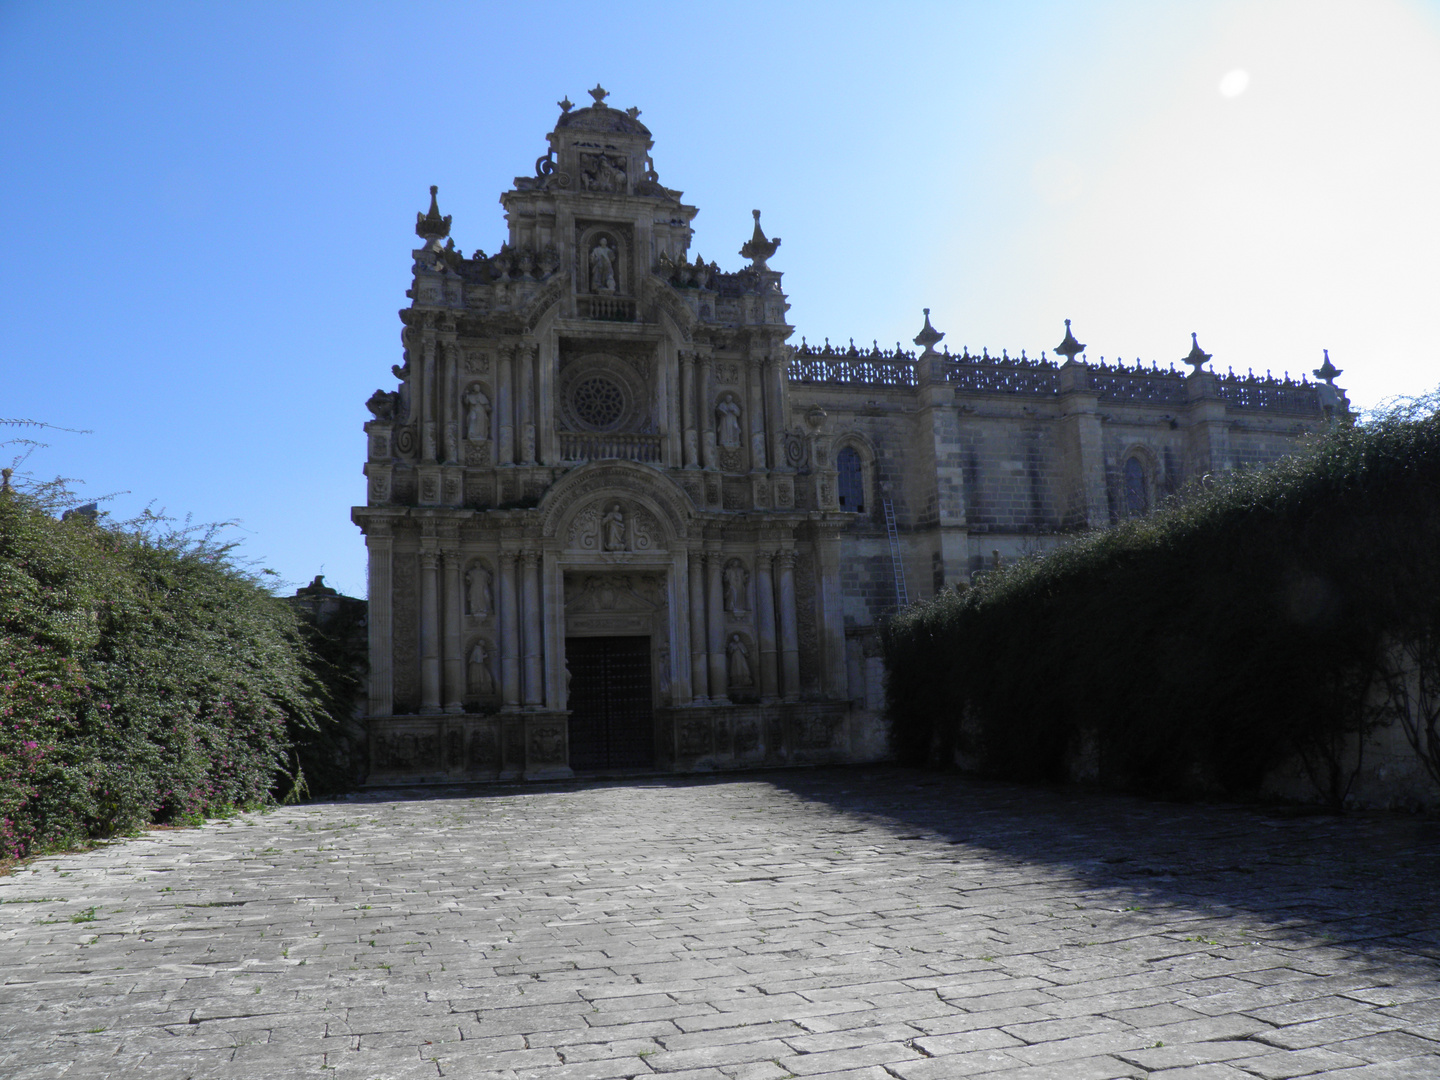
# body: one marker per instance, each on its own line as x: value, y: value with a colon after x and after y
x: 759, y: 249
x: 1196, y: 357
x: 599, y: 94
x: 1069, y: 348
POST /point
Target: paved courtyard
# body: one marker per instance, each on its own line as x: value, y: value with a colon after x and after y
x: 869, y: 923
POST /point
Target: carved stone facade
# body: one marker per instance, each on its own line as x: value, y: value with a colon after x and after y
x: 597, y: 435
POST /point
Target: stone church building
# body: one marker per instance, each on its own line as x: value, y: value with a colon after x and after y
x: 617, y: 520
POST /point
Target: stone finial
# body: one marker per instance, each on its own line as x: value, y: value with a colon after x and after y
x: 1197, y: 357
x: 759, y: 249
x: 1069, y: 348
x: 565, y: 104
x: 599, y: 94
x: 928, y: 337
x: 1328, y: 371
x: 431, y: 226
x: 633, y: 112
x: 5, y: 475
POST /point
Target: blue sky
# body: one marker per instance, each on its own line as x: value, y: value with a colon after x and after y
x: 208, y: 208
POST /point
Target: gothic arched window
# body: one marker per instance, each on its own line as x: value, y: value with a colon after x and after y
x: 1137, y: 487
x: 852, y: 481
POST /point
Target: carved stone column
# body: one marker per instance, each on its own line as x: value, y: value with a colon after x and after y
x: 774, y: 408
x: 765, y: 617
x: 548, y: 452
x: 509, y: 633
x: 526, y: 356
x: 687, y: 410
x: 715, y: 619
x: 451, y: 604
x: 505, y: 406
x: 382, y: 633
x: 755, y: 416
x: 425, y: 401
x: 709, y: 455
x: 789, y: 632
x: 699, y: 672
x: 429, y: 629
x: 534, y: 622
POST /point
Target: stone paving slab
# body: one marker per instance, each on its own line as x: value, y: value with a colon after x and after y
x: 866, y: 923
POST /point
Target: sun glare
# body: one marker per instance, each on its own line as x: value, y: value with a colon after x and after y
x: 1234, y: 83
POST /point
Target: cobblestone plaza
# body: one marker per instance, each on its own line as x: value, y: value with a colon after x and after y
x: 863, y: 922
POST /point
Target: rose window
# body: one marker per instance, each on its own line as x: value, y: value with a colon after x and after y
x: 598, y: 402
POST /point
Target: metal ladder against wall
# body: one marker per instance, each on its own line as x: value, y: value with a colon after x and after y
x: 897, y: 565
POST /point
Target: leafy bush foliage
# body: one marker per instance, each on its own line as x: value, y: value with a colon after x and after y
x: 144, y: 677
x: 1195, y: 649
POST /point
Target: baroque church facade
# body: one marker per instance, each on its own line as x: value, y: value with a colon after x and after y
x: 616, y: 519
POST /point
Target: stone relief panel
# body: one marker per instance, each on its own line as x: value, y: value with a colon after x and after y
x: 479, y: 491
x: 623, y: 593
x: 692, y: 737
x: 406, y: 750
x: 546, y: 744
x: 405, y: 626
x: 614, y: 525
x: 476, y: 362
x: 727, y: 373
x: 817, y: 731
x: 484, y: 750
x: 784, y: 493
x: 478, y: 454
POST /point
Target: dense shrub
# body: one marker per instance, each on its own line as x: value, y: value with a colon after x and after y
x: 1195, y: 648
x: 143, y: 677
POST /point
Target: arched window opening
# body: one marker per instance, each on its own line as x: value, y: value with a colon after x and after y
x: 852, y: 481
x: 1137, y: 488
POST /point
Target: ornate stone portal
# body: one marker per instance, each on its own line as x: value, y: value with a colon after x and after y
x: 609, y: 503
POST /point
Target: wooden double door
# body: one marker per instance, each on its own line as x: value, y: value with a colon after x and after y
x: 612, y: 716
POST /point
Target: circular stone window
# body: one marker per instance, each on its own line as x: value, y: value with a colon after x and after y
x: 598, y: 402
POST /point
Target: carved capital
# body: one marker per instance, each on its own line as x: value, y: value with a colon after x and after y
x: 430, y: 559
x: 786, y: 558
x: 530, y: 559
x: 763, y: 559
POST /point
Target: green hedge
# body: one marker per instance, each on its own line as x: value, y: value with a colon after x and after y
x: 1194, y: 649
x: 144, y: 677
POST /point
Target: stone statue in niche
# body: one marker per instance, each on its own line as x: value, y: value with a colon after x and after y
x: 612, y: 529
x: 735, y: 579
x: 727, y: 420
x: 477, y: 414
x: 479, y: 599
x: 739, y: 654
x: 482, y: 680
x: 602, y: 267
